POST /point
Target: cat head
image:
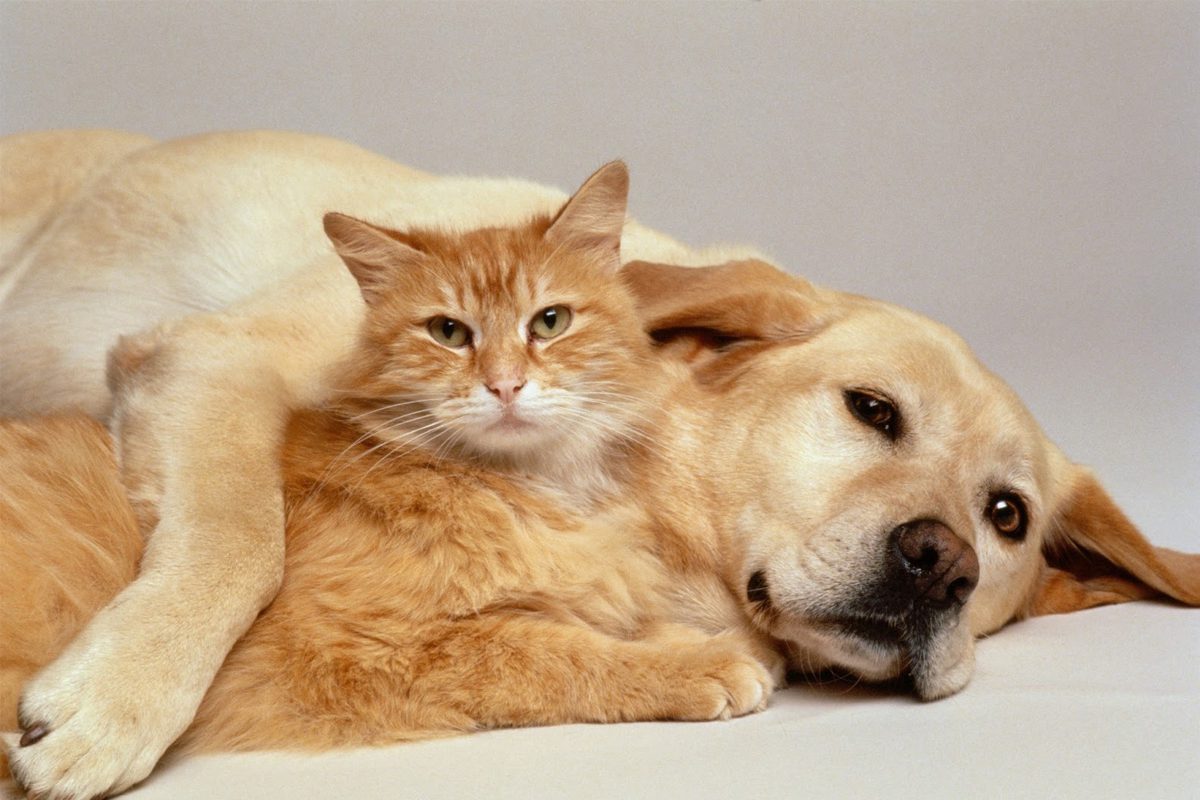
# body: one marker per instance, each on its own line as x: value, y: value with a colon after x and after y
x: 516, y: 345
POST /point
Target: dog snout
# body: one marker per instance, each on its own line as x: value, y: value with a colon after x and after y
x: 933, y: 563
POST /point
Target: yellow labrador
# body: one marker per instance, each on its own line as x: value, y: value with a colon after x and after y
x: 863, y: 493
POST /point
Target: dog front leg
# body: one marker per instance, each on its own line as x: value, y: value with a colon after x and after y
x: 97, y: 719
x: 199, y: 420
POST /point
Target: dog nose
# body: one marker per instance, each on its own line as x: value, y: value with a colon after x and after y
x: 933, y: 563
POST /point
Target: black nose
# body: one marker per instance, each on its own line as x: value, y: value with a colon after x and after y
x: 932, y: 564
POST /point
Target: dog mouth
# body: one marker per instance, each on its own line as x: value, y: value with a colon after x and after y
x: 874, y: 630
x: 880, y: 633
x: 873, y: 646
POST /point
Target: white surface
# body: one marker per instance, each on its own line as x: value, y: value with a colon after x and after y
x: 1027, y: 173
x: 1100, y: 704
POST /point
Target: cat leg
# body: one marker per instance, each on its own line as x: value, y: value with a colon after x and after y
x: 514, y: 670
x: 494, y: 671
x: 406, y: 682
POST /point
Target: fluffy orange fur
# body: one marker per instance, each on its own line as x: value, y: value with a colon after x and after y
x: 70, y: 542
x: 422, y: 598
x: 442, y: 581
x: 583, y: 392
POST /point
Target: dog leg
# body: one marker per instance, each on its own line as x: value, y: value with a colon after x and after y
x: 199, y: 425
x: 97, y: 719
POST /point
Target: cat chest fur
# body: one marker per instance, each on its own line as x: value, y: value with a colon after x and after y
x: 416, y: 539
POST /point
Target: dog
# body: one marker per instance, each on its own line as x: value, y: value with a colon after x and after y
x: 870, y: 497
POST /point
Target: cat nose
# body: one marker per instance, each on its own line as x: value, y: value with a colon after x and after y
x: 506, y: 389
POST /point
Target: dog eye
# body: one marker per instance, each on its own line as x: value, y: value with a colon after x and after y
x: 874, y: 410
x: 1007, y: 515
x: 449, y: 332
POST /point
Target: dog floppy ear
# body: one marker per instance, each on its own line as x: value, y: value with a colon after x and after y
x: 1095, y: 556
x: 707, y: 313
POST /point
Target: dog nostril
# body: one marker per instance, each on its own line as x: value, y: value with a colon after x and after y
x: 919, y: 552
x: 927, y: 559
x: 960, y: 589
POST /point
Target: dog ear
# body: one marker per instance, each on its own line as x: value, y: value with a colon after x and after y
x: 1095, y: 556
x: 706, y: 313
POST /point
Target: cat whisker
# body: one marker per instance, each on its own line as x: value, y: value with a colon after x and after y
x: 617, y: 430
x: 449, y: 444
x: 624, y: 410
x: 391, y: 421
x: 341, y: 464
x: 394, y: 453
x: 623, y: 404
x: 382, y: 409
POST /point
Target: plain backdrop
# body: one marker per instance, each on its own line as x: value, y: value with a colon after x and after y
x: 1027, y: 173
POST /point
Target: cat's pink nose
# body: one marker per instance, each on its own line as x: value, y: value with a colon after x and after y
x: 506, y: 389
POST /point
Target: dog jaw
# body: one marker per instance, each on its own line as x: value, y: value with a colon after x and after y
x: 935, y: 650
x: 945, y: 664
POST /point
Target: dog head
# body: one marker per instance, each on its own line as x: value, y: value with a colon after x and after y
x: 884, y: 498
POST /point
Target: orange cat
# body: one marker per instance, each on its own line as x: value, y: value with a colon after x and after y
x: 458, y: 554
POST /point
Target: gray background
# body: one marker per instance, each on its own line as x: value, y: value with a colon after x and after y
x: 1029, y: 174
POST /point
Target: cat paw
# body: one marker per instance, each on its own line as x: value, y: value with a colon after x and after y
x: 725, y: 685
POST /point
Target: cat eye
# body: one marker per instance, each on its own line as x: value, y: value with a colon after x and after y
x: 449, y: 332
x: 1007, y: 514
x: 874, y: 410
x: 550, y: 322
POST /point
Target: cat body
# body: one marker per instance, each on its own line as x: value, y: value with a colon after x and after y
x: 426, y: 596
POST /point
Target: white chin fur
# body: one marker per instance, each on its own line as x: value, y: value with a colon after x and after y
x: 813, y: 650
x: 947, y: 665
x: 944, y: 668
x: 511, y: 438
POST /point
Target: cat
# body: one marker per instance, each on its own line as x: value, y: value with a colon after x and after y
x: 459, y: 551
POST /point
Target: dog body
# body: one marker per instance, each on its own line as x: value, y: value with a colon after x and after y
x: 837, y: 478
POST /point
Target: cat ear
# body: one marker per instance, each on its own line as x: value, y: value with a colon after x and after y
x: 594, y: 217
x: 1095, y: 556
x: 370, y: 253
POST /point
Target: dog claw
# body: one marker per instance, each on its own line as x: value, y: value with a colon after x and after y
x: 34, y: 734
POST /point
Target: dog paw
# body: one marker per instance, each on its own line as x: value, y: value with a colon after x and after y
x: 77, y: 746
x: 93, y: 726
